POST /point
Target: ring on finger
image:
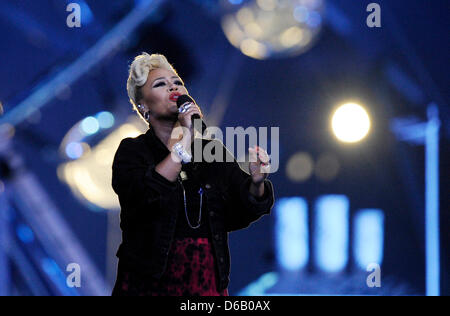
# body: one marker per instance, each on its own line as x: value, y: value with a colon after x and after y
x: 184, y: 109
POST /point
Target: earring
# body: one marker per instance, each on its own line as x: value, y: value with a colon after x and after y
x: 146, y: 114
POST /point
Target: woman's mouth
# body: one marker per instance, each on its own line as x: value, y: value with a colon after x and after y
x: 174, y: 96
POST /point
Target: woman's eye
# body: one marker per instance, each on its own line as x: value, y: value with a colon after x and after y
x: 162, y: 83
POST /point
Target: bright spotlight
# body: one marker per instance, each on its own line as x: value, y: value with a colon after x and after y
x: 105, y: 119
x: 74, y: 150
x: 90, y: 125
x: 264, y: 29
x: 350, y: 123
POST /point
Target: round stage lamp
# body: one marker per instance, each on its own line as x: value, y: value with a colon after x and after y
x: 264, y: 29
x: 350, y: 123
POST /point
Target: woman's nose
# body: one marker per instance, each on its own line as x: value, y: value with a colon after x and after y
x: 173, y: 87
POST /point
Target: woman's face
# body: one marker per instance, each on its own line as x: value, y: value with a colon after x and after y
x: 160, y: 92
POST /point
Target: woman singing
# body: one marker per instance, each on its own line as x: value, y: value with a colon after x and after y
x: 176, y: 212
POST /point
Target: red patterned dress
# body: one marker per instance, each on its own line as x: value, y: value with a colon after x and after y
x: 190, y: 272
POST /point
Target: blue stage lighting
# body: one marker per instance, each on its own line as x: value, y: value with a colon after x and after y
x: 90, y: 125
x: 314, y: 19
x: 331, y: 232
x: 74, y: 150
x: 368, y: 237
x: 49, y: 266
x: 105, y: 119
x: 138, y: 3
x: 25, y: 233
x: 291, y: 233
x: 86, y: 14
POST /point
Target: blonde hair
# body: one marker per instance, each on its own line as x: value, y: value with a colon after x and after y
x: 138, y: 74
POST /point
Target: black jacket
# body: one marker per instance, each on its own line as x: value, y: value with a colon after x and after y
x: 149, y: 203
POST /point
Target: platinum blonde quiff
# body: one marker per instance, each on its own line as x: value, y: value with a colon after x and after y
x: 138, y: 73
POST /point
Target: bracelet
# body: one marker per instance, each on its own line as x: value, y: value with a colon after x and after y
x: 182, y: 153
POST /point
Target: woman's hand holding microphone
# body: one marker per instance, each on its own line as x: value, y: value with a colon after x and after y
x: 185, y: 119
x: 181, y: 148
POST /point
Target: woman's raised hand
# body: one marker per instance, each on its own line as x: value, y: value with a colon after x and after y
x: 259, y: 164
x: 185, y: 119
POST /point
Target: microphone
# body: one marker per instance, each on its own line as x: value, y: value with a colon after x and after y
x: 185, y: 99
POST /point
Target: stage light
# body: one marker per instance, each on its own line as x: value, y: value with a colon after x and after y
x: 105, y: 119
x: 89, y: 176
x: 331, y: 233
x: 327, y: 167
x: 86, y: 14
x: 90, y: 125
x: 1, y: 108
x: 267, y: 5
x: 260, y: 286
x: 368, y: 237
x: 350, y: 123
x: 253, y: 49
x: 314, y: 20
x: 300, y: 167
x: 301, y: 14
x: 272, y: 28
x: 25, y: 233
x: 74, y: 143
x: 74, y: 150
x: 49, y: 266
x: 292, y: 36
x: 291, y: 233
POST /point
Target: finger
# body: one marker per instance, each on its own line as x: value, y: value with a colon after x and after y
x: 193, y: 110
x: 265, y: 169
x: 193, y: 106
x: 264, y: 159
x: 260, y: 154
x: 197, y: 110
x: 187, y: 112
x: 197, y: 113
x: 263, y: 155
x: 252, y: 155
